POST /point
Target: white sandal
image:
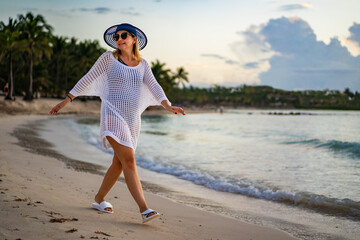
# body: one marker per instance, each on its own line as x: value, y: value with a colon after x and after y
x: 145, y: 215
x: 101, y: 207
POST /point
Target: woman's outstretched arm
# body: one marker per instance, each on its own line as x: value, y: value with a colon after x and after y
x: 62, y: 104
x: 90, y: 84
x: 158, y: 92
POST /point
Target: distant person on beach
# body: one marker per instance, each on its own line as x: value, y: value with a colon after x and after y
x: 126, y: 85
x: 6, y: 90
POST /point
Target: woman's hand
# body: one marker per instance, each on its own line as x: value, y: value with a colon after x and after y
x: 175, y: 110
x: 172, y: 109
x: 59, y: 106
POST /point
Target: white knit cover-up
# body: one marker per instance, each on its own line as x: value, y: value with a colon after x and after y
x: 125, y: 93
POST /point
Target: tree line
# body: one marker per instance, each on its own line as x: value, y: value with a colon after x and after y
x: 266, y: 97
x: 34, y: 62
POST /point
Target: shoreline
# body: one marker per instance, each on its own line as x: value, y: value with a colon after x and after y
x: 38, y: 191
x: 42, y: 106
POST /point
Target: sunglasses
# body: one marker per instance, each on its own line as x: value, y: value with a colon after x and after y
x: 123, y: 36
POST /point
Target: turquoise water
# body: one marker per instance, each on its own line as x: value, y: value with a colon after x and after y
x: 308, y: 159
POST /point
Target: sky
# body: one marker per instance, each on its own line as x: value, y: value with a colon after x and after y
x: 286, y: 44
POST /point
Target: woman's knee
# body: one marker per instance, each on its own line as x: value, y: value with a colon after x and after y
x: 129, y: 162
x: 116, y: 161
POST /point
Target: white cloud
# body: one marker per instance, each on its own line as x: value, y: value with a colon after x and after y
x: 351, y: 45
x: 353, y: 41
x: 251, y: 53
x: 296, y: 6
x: 252, y: 47
x: 284, y: 53
x: 355, y: 32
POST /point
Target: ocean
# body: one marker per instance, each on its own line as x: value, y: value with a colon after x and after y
x: 295, y: 170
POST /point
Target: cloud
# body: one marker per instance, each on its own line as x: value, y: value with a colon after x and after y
x: 252, y: 53
x: 99, y: 10
x: 353, y: 41
x: 297, y: 6
x: 214, y: 70
x: 103, y: 10
x: 251, y: 65
x: 253, y: 47
x: 212, y: 55
x: 352, y: 46
x: 355, y: 32
x: 243, y: 66
x: 231, y: 62
x: 30, y: 9
x: 284, y: 53
x: 226, y: 60
x: 130, y: 11
x: 305, y: 63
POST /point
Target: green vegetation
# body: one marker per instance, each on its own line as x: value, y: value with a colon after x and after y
x: 34, y: 62
x: 266, y: 97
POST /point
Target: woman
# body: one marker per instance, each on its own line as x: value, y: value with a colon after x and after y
x: 126, y: 86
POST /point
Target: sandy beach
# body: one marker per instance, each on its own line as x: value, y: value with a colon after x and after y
x: 42, y: 198
x: 42, y: 106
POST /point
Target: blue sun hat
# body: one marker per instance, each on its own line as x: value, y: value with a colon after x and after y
x: 110, y: 32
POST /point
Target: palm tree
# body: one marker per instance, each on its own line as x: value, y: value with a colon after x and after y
x: 181, y: 76
x: 89, y: 51
x: 59, y: 62
x: 81, y: 57
x: 36, y: 32
x: 163, y: 76
x: 10, y: 45
x: 72, y: 71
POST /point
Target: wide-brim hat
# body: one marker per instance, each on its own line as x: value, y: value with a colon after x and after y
x: 110, y: 32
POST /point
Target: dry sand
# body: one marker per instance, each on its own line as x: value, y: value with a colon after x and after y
x: 38, y: 192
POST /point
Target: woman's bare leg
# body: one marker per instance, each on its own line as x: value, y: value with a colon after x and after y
x: 128, y: 162
x: 110, y: 178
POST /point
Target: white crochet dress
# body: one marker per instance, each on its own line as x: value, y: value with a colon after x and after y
x: 125, y: 93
